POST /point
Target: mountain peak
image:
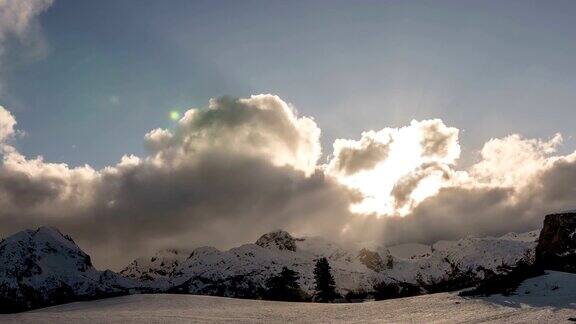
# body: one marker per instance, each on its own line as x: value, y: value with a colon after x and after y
x: 43, y: 267
x: 278, y: 239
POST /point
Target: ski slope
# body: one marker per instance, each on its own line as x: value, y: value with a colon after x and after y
x: 550, y: 298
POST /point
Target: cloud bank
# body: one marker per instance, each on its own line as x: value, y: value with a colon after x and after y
x: 243, y: 166
x: 223, y: 175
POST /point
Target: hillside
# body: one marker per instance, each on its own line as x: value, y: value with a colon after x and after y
x: 242, y: 271
x: 544, y: 303
x: 44, y: 267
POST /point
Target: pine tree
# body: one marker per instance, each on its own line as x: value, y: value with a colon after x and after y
x: 325, y: 285
x: 284, y: 286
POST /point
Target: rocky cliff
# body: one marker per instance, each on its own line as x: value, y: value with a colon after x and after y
x: 556, y: 248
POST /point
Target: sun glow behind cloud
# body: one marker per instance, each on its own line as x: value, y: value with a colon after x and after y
x: 396, y: 168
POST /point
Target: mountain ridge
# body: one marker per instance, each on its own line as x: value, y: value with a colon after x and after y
x: 44, y: 267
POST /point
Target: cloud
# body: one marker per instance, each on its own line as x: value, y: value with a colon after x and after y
x: 351, y: 157
x: 513, y: 160
x: 395, y: 168
x: 7, y: 123
x: 225, y: 174
x: 516, y: 182
x: 16, y: 16
x: 425, y: 197
x: 260, y: 126
x: 18, y: 21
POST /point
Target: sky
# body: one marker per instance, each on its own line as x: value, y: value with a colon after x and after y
x: 112, y: 70
x: 175, y: 121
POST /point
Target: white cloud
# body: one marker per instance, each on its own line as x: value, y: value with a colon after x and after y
x: 7, y: 123
x: 382, y: 160
x: 262, y: 126
x: 514, y: 161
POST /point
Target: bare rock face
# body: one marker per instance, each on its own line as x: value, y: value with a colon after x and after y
x: 280, y: 240
x: 556, y: 248
x: 371, y: 260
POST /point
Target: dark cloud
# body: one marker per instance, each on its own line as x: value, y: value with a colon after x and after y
x: 224, y: 176
x: 350, y: 160
x: 437, y: 140
x: 406, y: 185
x: 242, y: 167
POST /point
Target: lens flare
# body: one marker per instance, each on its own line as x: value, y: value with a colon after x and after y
x: 175, y: 115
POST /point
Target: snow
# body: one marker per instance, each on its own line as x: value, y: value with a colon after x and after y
x: 410, y: 250
x: 39, y: 263
x: 156, y: 270
x: 46, y: 261
x: 570, y: 211
x: 474, y: 254
x: 252, y: 264
x: 531, y: 236
x: 256, y: 263
x: 555, y: 289
x: 544, y: 303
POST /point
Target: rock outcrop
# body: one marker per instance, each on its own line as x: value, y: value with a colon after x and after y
x: 371, y: 260
x: 556, y: 248
x: 281, y: 240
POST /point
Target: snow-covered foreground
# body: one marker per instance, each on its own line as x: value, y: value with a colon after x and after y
x: 544, y: 299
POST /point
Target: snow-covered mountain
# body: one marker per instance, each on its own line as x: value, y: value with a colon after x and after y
x: 156, y: 271
x: 243, y: 270
x: 43, y: 267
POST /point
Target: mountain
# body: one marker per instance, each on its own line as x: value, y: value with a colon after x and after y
x: 242, y: 271
x: 557, y: 243
x: 44, y: 267
x: 155, y: 271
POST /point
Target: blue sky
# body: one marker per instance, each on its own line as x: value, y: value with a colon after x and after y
x: 113, y: 70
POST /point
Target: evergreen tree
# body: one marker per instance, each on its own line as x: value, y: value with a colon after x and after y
x: 325, y: 285
x: 284, y: 286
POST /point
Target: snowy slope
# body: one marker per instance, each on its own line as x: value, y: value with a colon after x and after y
x: 531, y: 236
x: 410, y: 250
x: 241, y: 271
x: 156, y: 270
x: 43, y: 267
x: 543, y: 305
x: 476, y: 255
x: 555, y: 289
